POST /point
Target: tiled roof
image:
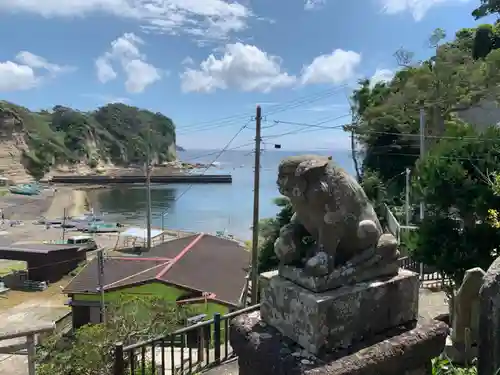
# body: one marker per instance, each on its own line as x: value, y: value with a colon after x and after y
x: 201, y: 263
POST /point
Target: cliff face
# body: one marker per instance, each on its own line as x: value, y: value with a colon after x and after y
x: 12, y: 146
x: 33, y: 143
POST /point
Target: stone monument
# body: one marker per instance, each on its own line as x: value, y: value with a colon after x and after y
x: 461, y: 345
x: 488, y: 351
x: 342, y: 302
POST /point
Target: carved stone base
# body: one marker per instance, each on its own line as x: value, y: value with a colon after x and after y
x: 322, y: 322
x: 458, y: 354
x: 262, y: 350
x: 368, y: 265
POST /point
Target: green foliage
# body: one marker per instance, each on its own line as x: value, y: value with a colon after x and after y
x: 269, y: 232
x: 455, y: 234
x: 115, y: 133
x: 449, y: 82
x: 486, y: 8
x: 442, y: 366
x: 90, y: 351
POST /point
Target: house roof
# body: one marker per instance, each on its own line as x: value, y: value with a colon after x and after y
x: 37, y: 248
x: 198, y: 263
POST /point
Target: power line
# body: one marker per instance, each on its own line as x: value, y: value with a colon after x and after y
x: 451, y: 158
x: 369, y: 131
x: 224, y: 149
x: 206, y: 128
x: 292, y: 104
x: 317, y: 126
x: 465, y: 138
x: 273, y: 136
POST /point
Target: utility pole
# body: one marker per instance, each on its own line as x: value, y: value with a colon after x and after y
x: 100, y: 281
x: 64, y: 225
x: 407, y: 197
x: 422, y: 153
x: 148, y: 188
x: 255, y: 226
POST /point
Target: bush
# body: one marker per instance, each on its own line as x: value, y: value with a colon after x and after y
x: 442, y: 366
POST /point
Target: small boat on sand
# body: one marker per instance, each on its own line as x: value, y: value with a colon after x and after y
x: 103, y: 227
x: 25, y: 189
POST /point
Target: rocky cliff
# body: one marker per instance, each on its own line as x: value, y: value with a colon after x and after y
x: 34, y: 143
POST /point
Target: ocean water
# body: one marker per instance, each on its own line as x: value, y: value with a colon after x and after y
x: 206, y: 207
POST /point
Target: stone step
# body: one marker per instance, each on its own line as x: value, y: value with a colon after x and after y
x: 229, y: 368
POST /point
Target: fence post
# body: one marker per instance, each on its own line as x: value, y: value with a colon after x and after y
x: 119, y: 366
x: 31, y: 342
x: 217, y: 340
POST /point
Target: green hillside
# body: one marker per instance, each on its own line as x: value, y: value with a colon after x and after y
x: 115, y: 133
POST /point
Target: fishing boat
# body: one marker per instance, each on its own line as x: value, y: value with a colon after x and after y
x: 81, y: 222
x: 44, y: 221
x: 25, y: 189
x: 102, y: 227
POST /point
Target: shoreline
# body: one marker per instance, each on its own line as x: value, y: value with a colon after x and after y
x: 66, y: 201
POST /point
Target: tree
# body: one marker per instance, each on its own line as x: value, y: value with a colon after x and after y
x: 269, y: 230
x: 455, y: 234
x: 486, y: 8
x: 444, y: 85
x: 114, y: 133
x: 90, y: 351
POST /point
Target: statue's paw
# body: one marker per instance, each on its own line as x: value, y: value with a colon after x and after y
x: 387, y: 246
x: 368, y: 233
x: 318, y: 265
x: 286, y: 253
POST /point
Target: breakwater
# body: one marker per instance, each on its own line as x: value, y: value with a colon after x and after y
x: 159, y: 179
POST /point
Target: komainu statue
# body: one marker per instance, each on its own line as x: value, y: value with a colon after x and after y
x: 334, y: 209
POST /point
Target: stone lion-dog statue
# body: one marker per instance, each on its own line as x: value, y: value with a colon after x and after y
x: 334, y: 209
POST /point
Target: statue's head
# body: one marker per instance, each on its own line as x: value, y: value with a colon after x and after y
x: 295, y: 172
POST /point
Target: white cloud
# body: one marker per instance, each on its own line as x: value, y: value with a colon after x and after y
x: 38, y: 62
x: 125, y: 51
x: 418, y: 8
x: 335, y: 68
x: 382, y: 75
x: 15, y: 77
x: 29, y: 71
x: 105, y: 71
x: 140, y: 75
x: 242, y: 66
x: 188, y: 61
x: 211, y: 18
x: 313, y: 4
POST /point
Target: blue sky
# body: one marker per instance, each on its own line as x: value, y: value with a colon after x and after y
x: 207, y: 63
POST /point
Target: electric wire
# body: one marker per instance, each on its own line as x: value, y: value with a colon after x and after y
x: 285, y: 106
x: 219, y: 154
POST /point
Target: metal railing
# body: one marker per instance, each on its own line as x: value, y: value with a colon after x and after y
x: 183, y: 352
x: 428, y: 274
x: 203, y: 345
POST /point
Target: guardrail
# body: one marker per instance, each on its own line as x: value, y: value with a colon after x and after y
x: 183, y: 352
x: 203, y: 345
x: 17, y: 346
x: 427, y: 274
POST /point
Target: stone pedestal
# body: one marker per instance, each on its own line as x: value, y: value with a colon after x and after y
x: 459, y: 354
x: 263, y: 350
x: 341, y: 318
